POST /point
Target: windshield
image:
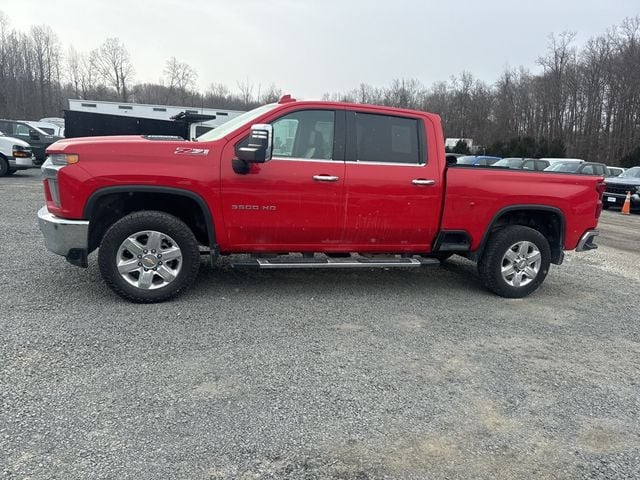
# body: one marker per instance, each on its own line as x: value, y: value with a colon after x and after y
x: 466, y: 160
x: 631, y: 173
x: 564, y: 167
x: 228, y: 127
x: 509, y: 162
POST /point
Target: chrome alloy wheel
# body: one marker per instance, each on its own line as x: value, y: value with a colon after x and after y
x: 521, y: 264
x: 149, y: 260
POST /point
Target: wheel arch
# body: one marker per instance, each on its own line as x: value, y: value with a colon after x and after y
x: 107, y: 205
x: 549, y: 221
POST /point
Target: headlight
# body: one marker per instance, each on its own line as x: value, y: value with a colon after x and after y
x: 21, y: 152
x: 64, y: 158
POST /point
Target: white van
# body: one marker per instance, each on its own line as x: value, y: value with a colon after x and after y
x: 15, y: 154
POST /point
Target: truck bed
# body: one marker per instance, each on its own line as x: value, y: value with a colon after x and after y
x: 475, y: 196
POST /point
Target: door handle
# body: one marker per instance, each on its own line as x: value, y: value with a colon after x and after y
x: 326, y: 178
x: 422, y: 181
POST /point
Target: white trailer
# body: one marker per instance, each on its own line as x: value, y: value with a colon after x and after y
x: 156, y: 112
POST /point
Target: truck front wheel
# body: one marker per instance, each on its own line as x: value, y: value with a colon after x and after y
x: 515, y: 261
x: 149, y: 256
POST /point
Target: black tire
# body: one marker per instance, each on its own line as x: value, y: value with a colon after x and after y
x: 141, y: 221
x: 11, y: 172
x: 4, y: 166
x: 490, y: 264
x: 605, y: 206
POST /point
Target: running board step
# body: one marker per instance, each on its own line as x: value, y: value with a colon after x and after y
x: 352, y: 262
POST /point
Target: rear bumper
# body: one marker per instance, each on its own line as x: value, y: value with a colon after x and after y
x: 586, y: 241
x: 68, y: 238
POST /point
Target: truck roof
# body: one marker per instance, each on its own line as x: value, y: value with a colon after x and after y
x: 351, y: 105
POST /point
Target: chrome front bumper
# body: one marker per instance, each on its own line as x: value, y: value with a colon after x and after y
x: 21, y: 162
x: 68, y: 238
x: 586, y: 241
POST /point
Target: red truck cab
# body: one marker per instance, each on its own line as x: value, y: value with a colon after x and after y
x: 306, y: 185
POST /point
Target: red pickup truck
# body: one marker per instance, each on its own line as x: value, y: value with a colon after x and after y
x: 306, y: 185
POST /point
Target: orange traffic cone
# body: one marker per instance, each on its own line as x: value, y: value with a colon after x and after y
x: 626, y: 208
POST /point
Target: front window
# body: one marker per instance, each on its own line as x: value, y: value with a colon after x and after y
x: 228, y: 127
x: 22, y: 129
x: 304, y: 134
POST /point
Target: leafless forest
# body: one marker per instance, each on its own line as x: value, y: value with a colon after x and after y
x: 583, y: 101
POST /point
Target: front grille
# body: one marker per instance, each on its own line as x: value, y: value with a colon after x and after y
x: 620, y: 189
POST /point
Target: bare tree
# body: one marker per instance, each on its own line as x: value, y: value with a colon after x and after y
x: 46, y: 54
x: 271, y: 95
x: 181, y: 79
x: 114, y: 65
x: 246, y: 91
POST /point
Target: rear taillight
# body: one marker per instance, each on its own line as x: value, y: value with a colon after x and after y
x: 601, y: 187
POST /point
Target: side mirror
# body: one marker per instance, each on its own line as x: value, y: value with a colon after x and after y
x: 260, y: 145
x: 34, y: 135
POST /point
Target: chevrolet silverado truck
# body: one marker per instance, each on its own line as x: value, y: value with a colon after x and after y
x: 306, y: 184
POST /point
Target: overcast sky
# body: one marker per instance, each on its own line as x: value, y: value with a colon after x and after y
x: 309, y: 47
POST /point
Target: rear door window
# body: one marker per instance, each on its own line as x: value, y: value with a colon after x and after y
x: 6, y: 128
x: 387, y: 139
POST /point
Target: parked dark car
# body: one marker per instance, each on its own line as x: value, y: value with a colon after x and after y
x: 584, y: 168
x: 522, y: 163
x: 36, y: 138
x: 477, y: 161
x: 617, y: 187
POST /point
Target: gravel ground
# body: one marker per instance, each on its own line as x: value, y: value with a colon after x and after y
x: 325, y: 374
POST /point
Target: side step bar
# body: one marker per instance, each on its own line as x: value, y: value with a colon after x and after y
x: 351, y: 262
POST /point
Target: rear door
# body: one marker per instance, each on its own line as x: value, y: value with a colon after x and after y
x: 393, y: 183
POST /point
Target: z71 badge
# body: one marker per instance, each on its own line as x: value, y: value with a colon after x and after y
x: 191, y: 151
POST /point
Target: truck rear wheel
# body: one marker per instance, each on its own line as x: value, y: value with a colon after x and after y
x: 515, y: 261
x: 149, y: 256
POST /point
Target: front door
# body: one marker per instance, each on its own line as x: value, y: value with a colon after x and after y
x: 295, y: 201
x: 394, y: 184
